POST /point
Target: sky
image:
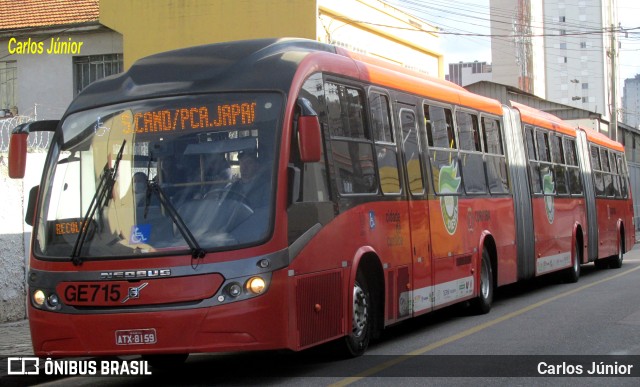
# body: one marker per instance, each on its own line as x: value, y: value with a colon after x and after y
x: 472, y: 16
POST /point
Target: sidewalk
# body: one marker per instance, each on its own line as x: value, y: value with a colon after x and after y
x: 15, y: 339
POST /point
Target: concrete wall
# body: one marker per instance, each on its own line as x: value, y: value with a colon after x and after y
x: 14, y: 237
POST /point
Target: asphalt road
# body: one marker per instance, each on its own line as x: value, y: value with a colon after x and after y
x: 534, y: 327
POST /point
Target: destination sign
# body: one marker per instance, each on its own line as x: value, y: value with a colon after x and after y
x: 182, y: 118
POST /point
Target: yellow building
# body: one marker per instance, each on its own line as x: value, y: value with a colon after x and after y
x: 372, y: 27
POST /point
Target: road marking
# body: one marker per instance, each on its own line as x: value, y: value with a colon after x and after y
x: 469, y: 332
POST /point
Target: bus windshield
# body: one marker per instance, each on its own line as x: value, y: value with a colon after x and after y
x: 181, y: 171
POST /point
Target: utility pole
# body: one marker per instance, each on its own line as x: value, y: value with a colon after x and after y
x: 613, y: 133
x: 613, y: 54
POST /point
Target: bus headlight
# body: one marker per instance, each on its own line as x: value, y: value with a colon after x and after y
x: 256, y: 285
x: 38, y: 298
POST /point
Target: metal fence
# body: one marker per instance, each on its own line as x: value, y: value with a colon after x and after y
x: 38, y: 141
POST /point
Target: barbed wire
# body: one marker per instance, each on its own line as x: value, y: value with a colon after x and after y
x: 37, y: 141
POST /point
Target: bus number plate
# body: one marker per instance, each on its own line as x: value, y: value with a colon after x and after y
x: 136, y: 336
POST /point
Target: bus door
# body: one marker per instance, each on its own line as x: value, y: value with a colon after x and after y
x: 418, y: 208
x: 451, y: 260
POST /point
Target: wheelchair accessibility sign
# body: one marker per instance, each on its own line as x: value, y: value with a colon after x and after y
x: 140, y: 233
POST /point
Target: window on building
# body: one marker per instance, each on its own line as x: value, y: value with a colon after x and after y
x: 562, y: 19
x: 585, y: 86
x: 583, y: 44
x: 88, y: 69
x: 8, y: 79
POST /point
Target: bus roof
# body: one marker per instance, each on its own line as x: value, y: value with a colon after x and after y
x: 261, y: 64
x: 396, y: 77
x: 542, y: 119
x: 601, y: 139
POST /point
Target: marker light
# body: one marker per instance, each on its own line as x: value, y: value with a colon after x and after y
x: 53, y: 300
x: 256, y: 285
x: 38, y: 297
x: 235, y: 290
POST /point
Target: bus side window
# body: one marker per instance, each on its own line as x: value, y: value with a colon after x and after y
x: 573, y: 171
x: 385, y: 143
x: 598, y: 179
x: 623, y: 176
x: 559, y: 168
x: 411, y: 148
x: 470, y: 153
x: 536, y: 186
x: 495, y: 162
x: 608, y: 179
x: 614, y: 174
x: 442, y: 150
x: 351, y: 147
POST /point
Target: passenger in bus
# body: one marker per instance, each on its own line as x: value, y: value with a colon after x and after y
x: 139, y: 187
x: 253, y: 183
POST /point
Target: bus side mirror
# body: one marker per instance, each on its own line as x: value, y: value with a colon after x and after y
x: 18, y: 144
x: 309, y: 139
x: 18, y: 155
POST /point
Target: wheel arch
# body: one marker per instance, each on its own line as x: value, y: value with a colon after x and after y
x: 368, y: 261
x: 578, y: 236
x: 488, y: 242
x: 621, y: 235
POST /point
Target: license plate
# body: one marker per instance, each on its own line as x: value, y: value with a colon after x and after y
x: 136, y: 336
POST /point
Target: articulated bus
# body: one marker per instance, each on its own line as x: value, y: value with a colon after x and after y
x: 208, y: 190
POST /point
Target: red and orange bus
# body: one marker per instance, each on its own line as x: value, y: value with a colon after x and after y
x: 208, y: 190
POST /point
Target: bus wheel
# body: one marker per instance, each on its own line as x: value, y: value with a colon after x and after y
x: 616, y: 261
x: 357, y: 341
x: 482, y: 303
x: 172, y: 360
x: 572, y: 274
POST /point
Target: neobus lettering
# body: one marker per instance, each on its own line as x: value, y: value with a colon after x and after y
x: 188, y: 118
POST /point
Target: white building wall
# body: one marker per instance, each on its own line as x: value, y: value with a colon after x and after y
x: 631, y: 102
x: 576, y: 58
x: 45, y: 81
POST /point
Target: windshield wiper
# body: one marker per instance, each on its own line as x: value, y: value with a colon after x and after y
x: 153, y: 187
x: 98, y: 202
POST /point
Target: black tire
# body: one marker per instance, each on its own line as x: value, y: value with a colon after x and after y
x: 482, y: 303
x: 167, y: 361
x: 615, y: 262
x: 357, y: 341
x: 572, y: 274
